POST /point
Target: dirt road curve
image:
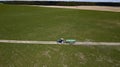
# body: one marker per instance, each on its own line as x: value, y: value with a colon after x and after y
x: 54, y: 42
x: 100, y: 8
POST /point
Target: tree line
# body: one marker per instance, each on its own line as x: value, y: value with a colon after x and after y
x: 61, y: 3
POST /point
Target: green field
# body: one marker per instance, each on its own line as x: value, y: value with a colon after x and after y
x: 40, y: 23
x: 23, y: 55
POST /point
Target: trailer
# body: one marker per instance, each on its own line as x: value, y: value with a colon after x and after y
x: 70, y: 41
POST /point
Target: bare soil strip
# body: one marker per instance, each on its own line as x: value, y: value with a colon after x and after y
x: 99, y: 8
x: 54, y: 42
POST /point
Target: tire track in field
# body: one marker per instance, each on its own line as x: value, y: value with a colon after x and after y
x: 54, y: 42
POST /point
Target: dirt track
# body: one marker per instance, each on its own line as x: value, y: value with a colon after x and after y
x: 54, y: 42
x: 100, y: 8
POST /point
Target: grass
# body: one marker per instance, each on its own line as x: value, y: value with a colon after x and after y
x: 23, y: 55
x: 40, y: 23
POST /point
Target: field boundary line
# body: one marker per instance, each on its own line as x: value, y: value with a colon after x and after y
x: 54, y: 42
